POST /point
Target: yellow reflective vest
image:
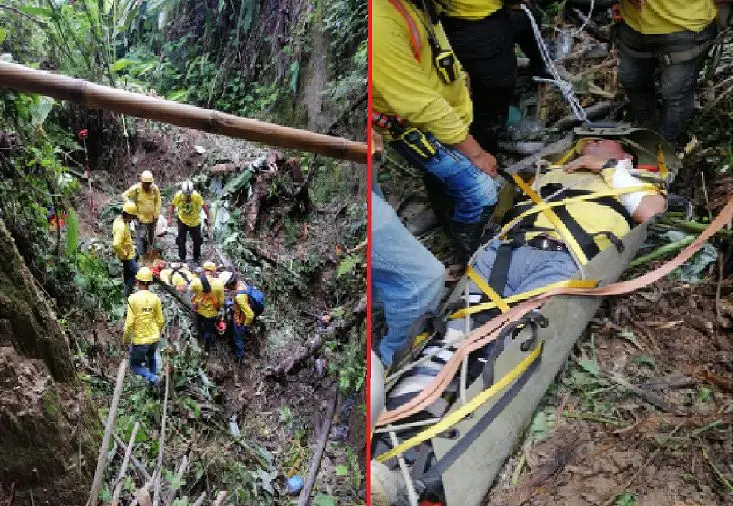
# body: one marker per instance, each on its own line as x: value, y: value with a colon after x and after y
x: 148, y: 203
x: 122, y: 243
x: 207, y: 304
x: 189, y: 207
x: 144, y: 321
x: 405, y: 82
x: 659, y: 17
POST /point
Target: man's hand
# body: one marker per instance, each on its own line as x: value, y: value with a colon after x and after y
x: 480, y: 158
x: 586, y: 162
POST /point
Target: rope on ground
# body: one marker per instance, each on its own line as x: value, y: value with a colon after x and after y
x: 565, y: 87
x: 104, y: 448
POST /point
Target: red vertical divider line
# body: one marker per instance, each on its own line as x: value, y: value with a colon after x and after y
x: 370, y: 147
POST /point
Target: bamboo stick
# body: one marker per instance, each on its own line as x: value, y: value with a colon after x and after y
x: 117, y: 486
x: 95, y: 96
x: 179, y: 475
x: 200, y: 500
x: 662, y: 251
x: 104, y: 448
x: 158, y: 473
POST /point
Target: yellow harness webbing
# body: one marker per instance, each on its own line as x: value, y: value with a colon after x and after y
x: 468, y: 408
x: 571, y: 283
x: 560, y: 227
x: 580, y: 198
x: 484, y: 287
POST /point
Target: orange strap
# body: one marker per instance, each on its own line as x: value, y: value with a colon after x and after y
x: 414, y: 33
x: 480, y: 337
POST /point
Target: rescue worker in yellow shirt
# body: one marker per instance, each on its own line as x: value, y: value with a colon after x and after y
x: 207, y: 297
x: 422, y: 108
x: 143, y: 326
x: 243, y: 315
x: 670, y: 38
x: 189, y: 204
x: 123, y: 246
x: 482, y: 35
x: 146, y: 196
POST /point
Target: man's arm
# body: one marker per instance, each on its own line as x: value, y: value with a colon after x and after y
x: 244, y: 306
x: 129, y: 321
x: 118, y: 234
x: 158, y: 202
x: 128, y: 193
x: 649, y: 207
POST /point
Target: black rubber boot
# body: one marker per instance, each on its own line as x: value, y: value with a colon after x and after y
x: 468, y: 237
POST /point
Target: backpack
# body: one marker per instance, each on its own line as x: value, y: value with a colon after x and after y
x: 255, y: 298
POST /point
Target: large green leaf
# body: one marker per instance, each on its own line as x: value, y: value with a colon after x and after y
x: 36, y: 11
x: 3, y: 35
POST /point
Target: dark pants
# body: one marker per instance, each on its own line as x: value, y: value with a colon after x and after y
x: 239, y: 333
x: 145, y: 237
x: 678, y: 81
x: 207, y: 330
x: 129, y: 269
x: 143, y: 361
x: 183, y: 231
x: 524, y: 37
x: 485, y: 48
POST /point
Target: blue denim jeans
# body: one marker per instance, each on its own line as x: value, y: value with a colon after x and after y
x: 470, y: 189
x: 239, y: 332
x: 529, y: 268
x: 129, y: 269
x: 143, y: 361
x: 407, y: 280
x: 678, y: 81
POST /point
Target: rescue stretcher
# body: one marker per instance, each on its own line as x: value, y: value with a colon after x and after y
x: 454, y: 447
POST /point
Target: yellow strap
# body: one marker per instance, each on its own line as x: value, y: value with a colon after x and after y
x: 484, y: 286
x: 560, y: 227
x: 465, y: 410
x: 579, y: 198
x: 570, y: 283
x: 661, y: 164
x: 419, y: 339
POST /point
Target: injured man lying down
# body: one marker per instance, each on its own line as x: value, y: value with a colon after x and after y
x: 594, y: 201
x: 602, y: 201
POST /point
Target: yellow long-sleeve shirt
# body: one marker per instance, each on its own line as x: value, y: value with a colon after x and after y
x: 658, y: 17
x: 472, y: 9
x: 148, y: 203
x: 144, y: 320
x: 122, y: 243
x: 189, y: 207
x: 407, y: 84
x: 243, y: 313
x: 207, y: 304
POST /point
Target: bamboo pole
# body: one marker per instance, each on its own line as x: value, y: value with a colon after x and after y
x: 95, y: 96
x: 305, y: 494
x: 117, y: 486
x: 104, y: 448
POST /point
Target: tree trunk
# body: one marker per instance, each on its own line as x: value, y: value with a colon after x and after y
x: 44, y: 428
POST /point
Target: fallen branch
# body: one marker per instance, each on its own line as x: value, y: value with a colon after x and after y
x: 291, y: 362
x: 693, y: 226
x: 717, y: 472
x: 117, y: 485
x: 200, y: 500
x: 220, y: 498
x: 652, y: 399
x: 179, y: 475
x: 304, y: 498
x: 593, y: 112
x: 104, y: 448
x: 135, y: 463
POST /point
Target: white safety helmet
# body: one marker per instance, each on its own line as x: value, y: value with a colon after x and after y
x: 187, y: 187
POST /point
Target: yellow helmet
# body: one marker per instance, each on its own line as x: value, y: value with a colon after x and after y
x: 209, y: 266
x: 144, y: 274
x: 146, y: 176
x: 129, y: 207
